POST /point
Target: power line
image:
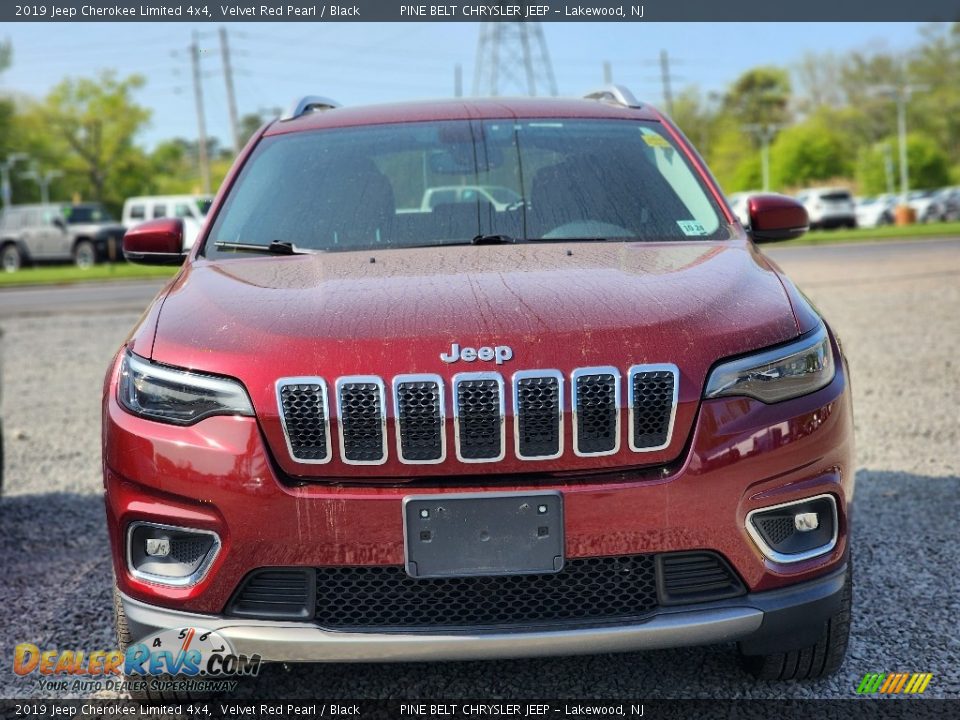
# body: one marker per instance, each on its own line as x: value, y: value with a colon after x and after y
x: 513, y: 56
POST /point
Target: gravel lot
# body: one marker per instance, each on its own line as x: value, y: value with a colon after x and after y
x: 898, y: 315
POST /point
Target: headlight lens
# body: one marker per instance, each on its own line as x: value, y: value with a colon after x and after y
x: 176, y: 396
x: 776, y: 375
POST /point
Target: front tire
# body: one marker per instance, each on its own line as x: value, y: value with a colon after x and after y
x: 147, y: 694
x: 815, y: 661
x: 84, y: 254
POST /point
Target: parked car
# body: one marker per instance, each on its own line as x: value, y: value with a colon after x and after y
x: 498, y: 196
x: 947, y: 201
x: 925, y: 205
x: 192, y: 209
x: 738, y: 203
x: 599, y: 420
x: 57, y: 232
x: 829, y: 207
x: 875, y: 211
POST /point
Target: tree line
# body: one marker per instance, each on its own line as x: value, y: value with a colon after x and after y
x: 830, y: 119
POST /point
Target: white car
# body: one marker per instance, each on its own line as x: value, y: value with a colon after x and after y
x: 738, y: 203
x: 829, y: 207
x: 875, y: 211
x: 192, y: 209
x: 925, y: 204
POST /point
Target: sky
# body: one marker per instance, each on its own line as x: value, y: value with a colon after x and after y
x: 361, y: 63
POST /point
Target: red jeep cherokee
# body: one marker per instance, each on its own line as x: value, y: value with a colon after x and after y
x: 587, y: 417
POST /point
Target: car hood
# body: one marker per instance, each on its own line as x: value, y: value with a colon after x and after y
x: 557, y: 306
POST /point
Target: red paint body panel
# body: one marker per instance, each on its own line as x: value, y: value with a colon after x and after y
x: 338, y: 314
x: 218, y: 475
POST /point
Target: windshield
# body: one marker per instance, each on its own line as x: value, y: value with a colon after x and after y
x: 80, y: 214
x: 360, y: 188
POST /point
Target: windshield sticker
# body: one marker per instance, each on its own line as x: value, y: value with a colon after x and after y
x: 691, y: 227
x: 657, y: 141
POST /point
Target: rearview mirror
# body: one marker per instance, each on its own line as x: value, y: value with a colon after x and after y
x: 776, y: 217
x: 158, y: 242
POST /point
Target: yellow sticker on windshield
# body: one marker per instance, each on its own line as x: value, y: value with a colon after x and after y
x: 654, y: 140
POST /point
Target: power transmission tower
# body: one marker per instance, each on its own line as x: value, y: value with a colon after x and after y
x: 665, y: 78
x: 513, y: 57
x: 231, y: 97
x: 201, y: 120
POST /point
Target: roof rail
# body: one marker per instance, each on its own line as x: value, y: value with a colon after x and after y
x: 308, y: 104
x: 615, y: 95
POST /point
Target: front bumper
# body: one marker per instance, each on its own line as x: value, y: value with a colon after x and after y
x: 788, y: 618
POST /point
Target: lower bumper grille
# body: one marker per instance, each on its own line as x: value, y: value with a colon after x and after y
x: 587, y: 590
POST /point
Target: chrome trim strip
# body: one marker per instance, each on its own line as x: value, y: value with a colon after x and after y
x: 289, y: 641
x: 459, y: 378
x: 189, y: 580
x: 600, y: 370
x: 772, y: 554
x: 525, y: 374
x: 367, y: 379
x: 661, y: 367
x: 306, y: 380
x: 426, y: 377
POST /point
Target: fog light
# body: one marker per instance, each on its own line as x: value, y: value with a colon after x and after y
x: 158, y: 547
x: 795, y: 531
x: 805, y: 522
x: 170, y: 555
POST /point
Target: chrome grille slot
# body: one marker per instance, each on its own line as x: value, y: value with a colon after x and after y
x: 305, y: 416
x: 419, y: 408
x: 596, y: 406
x: 652, y: 399
x: 363, y: 432
x: 478, y: 416
x: 538, y: 407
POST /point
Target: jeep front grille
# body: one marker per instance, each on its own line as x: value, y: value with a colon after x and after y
x: 478, y: 406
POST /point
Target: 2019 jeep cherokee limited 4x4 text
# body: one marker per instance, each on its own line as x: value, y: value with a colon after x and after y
x: 594, y: 419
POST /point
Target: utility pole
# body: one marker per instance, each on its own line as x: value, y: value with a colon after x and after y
x: 513, y: 57
x: 458, y: 80
x: 765, y: 134
x: 901, y: 95
x: 201, y: 121
x: 231, y: 97
x: 5, y: 167
x: 607, y: 73
x: 665, y: 79
x: 888, y: 167
x: 43, y: 180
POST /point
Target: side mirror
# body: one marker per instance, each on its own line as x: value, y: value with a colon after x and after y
x: 158, y: 242
x: 776, y: 217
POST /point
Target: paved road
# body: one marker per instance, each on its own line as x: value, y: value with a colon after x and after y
x: 134, y: 295
x: 92, y: 297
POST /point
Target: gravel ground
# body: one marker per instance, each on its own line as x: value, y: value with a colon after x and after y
x: 894, y: 311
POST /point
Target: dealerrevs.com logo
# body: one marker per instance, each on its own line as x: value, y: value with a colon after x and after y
x: 185, y: 659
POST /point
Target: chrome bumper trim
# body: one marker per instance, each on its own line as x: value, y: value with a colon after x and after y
x: 283, y: 641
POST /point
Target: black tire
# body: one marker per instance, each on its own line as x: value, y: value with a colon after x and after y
x: 11, y: 259
x: 147, y: 694
x: 815, y: 661
x: 84, y: 254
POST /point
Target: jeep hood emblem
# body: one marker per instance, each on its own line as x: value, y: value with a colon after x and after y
x: 500, y: 353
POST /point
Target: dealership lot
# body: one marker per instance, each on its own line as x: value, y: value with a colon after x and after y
x: 896, y: 308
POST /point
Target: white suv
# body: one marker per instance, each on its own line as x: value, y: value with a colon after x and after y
x: 829, y: 207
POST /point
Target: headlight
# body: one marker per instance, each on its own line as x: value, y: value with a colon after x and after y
x: 176, y: 396
x: 799, y: 368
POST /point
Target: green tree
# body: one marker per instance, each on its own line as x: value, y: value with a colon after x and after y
x: 811, y: 151
x: 87, y: 126
x: 927, y: 164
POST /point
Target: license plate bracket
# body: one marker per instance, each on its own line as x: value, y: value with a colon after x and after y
x: 469, y: 534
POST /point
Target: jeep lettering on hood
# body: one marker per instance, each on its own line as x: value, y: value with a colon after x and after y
x: 340, y: 316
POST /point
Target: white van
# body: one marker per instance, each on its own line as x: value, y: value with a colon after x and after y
x: 192, y: 209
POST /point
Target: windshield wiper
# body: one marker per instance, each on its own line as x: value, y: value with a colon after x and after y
x: 276, y: 247
x: 572, y: 239
x: 495, y: 239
